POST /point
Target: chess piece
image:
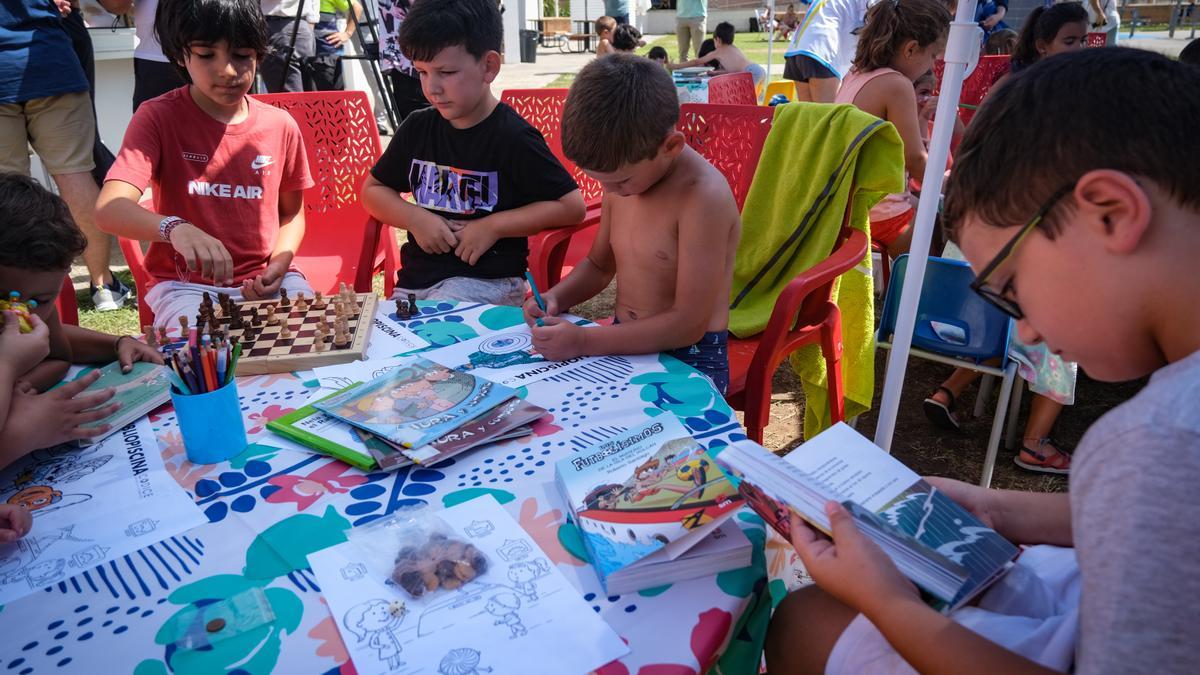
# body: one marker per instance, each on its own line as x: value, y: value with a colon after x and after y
x: 400, y: 309
x: 343, y: 291
x: 285, y: 331
x: 235, y: 317
x: 162, y: 336
x: 320, y: 344
x: 284, y: 301
x: 301, y: 303
x: 341, y: 337
x: 412, y: 305
x: 272, y: 317
x: 319, y: 301
x: 255, y: 317
x: 183, y: 327
x: 206, y: 301
x: 150, y: 339
x: 404, y: 309
x: 214, y: 326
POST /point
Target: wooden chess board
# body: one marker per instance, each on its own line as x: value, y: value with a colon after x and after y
x: 270, y: 353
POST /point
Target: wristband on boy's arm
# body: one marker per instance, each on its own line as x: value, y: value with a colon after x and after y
x: 167, y: 225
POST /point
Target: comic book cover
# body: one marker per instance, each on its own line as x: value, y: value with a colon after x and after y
x: 415, y: 404
x: 145, y: 387
x: 651, y: 488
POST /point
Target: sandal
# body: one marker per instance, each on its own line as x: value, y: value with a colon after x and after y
x: 941, y: 414
x: 1059, y: 463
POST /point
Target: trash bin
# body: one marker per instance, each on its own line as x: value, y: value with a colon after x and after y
x: 528, y: 46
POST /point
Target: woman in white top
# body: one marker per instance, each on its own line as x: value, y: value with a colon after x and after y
x: 821, y: 50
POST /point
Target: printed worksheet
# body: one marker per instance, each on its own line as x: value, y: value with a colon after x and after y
x: 389, y: 338
x: 338, y: 377
x: 509, y: 357
x: 520, y: 616
x: 89, y: 505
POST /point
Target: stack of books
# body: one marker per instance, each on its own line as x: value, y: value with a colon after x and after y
x: 650, y: 504
x: 420, y: 413
x: 939, y: 545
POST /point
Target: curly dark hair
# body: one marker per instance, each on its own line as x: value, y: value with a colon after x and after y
x: 37, y: 231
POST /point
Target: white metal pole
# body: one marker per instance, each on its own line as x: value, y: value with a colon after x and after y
x: 770, y: 44
x: 963, y: 40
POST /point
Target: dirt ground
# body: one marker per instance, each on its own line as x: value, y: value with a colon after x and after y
x: 917, y: 443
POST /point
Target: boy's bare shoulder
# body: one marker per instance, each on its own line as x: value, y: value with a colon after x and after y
x: 701, y: 188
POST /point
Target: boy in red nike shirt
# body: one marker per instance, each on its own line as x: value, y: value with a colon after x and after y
x: 227, y: 171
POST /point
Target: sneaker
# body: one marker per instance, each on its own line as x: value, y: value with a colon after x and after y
x: 111, y: 297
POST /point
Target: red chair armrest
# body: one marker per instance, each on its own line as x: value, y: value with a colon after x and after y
x: 366, y: 257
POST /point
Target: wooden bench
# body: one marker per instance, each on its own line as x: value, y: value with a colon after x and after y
x: 552, y: 31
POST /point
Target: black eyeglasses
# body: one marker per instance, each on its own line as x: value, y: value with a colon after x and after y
x: 997, y: 298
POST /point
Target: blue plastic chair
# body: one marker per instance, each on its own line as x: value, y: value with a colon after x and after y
x: 956, y: 327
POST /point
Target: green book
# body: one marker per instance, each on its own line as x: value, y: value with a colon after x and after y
x: 329, y: 435
x: 145, y: 387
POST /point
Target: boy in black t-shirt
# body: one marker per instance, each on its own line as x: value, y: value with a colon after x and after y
x: 482, y: 178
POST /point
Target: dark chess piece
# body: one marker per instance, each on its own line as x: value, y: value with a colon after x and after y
x: 284, y: 301
x: 412, y: 305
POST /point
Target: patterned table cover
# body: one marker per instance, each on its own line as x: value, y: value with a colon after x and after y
x: 270, y: 506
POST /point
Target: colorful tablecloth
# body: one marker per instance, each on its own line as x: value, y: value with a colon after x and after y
x: 273, y: 504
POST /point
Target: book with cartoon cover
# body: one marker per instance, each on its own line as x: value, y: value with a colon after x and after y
x: 650, y: 491
x: 415, y: 404
x: 939, y: 545
x: 327, y: 434
x: 145, y: 387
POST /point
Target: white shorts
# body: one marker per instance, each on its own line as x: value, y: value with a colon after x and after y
x: 1033, y: 611
x: 170, y: 300
x: 506, y: 291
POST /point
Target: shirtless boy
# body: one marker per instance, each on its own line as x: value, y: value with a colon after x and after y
x: 669, y: 226
x: 730, y: 58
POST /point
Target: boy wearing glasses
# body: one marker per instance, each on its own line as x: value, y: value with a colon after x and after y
x: 1093, y: 250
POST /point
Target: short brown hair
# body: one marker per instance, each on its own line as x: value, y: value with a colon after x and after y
x: 891, y: 23
x: 619, y: 111
x: 1015, y: 154
x: 37, y: 231
x: 605, y: 23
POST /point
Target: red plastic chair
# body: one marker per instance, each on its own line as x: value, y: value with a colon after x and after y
x: 804, y: 314
x: 732, y: 89
x: 548, y: 250
x: 68, y: 308
x: 341, y: 242
x: 976, y: 87
x: 1096, y: 40
x: 730, y: 137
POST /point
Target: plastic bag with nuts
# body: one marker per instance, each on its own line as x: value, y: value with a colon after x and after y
x: 416, y: 551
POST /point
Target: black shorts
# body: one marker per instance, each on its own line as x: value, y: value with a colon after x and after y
x: 801, y: 68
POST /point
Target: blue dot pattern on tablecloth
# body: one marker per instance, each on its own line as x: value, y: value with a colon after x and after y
x: 599, y: 604
x: 411, y: 485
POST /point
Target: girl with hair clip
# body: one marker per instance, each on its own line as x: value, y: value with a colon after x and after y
x: 1048, y: 31
x: 897, y: 46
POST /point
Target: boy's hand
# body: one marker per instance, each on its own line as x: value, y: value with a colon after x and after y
x: 265, y: 285
x: 130, y: 349
x: 474, y: 239
x: 849, y: 567
x: 559, y: 339
x: 928, y: 109
x: 533, y: 312
x: 203, y: 253
x: 15, y: 522
x: 22, y: 351
x: 434, y: 234
x: 43, y: 420
x: 973, y: 498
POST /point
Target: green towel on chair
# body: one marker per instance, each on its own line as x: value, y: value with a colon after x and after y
x: 791, y: 220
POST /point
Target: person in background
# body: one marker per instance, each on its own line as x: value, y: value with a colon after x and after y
x: 690, y: 16
x: 822, y: 48
x: 406, y: 84
x: 153, y: 74
x: 618, y: 10
x: 729, y: 59
x: 605, y: 27
x: 1049, y: 31
x: 292, y: 43
x: 44, y: 103
x: 1103, y: 17
x: 325, y: 69
x: 1191, y: 53
x: 659, y: 55
x: 626, y: 39
x: 1001, y: 43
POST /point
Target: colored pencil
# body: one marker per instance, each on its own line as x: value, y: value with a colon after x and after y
x: 222, y: 363
x: 537, y: 296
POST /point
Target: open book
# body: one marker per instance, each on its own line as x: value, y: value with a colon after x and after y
x: 940, y: 546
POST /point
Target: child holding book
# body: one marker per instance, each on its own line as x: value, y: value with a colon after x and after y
x: 896, y: 47
x: 1079, y: 243
x: 38, y: 242
x: 482, y: 179
x: 228, y: 172
x: 668, y: 232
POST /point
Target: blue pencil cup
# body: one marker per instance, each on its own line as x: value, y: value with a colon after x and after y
x: 211, y: 424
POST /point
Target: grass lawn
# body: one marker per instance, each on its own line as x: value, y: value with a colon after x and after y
x: 123, y: 321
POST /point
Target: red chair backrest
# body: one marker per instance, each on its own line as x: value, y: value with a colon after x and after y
x: 732, y: 89
x: 977, y: 85
x: 68, y: 308
x: 1096, y: 40
x: 341, y: 140
x: 543, y: 109
x: 730, y: 137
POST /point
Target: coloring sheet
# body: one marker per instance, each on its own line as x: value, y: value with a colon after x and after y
x: 520, y: 616
x: 343, y: 375
x: 389, y: 338
x: 90, y: 505
x: 508, y: 357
